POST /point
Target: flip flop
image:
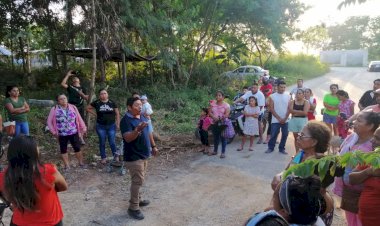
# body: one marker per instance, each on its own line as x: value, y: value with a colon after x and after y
x: 250, y: 149
x: 239, y: 149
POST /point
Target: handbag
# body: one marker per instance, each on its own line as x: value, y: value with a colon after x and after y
x: 10, y: 127
x: 229, y: 131
x: 350, y: 200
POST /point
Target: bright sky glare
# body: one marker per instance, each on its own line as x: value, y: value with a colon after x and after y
x: 326, y: 11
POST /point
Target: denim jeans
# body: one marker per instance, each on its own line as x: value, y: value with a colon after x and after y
x: 217, y: 133
x: 103, y: 132
x: 275, y: 129
x: 22, y: 128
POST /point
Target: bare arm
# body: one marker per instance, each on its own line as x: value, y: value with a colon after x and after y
x: 90, y: 109
x: 313, y: 106
x: 64, y: 81
x: 358, y: 177
x: 117, y: 112
x: 84, y: 96
x: 153, y: 143
x: 330, y: 107
x: 132, y: 135
x: 60, y: 182
x: 16, y: 111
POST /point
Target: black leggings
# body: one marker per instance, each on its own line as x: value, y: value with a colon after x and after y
x: 269, y: 122
x: 204, y: 136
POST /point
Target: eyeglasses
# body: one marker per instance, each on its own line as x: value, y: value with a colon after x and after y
x: 302, y: 136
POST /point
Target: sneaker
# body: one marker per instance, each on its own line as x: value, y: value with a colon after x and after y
x: 222, y: 156
x: 143, y: 203
x: 284, y: 152
x: 259, y: 141
x: 136, y: 214
x: 269, y: 151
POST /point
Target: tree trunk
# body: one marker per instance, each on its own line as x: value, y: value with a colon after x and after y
x: 151, y: 72
x: 118, y: 70
x: 31, y: 80
x: 21, y: 43
x: 102, y: 70
x: 124, y: 70
x: 93, y: 72
x: 12, y: 56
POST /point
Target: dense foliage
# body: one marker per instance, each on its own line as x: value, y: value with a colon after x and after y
x: 184, y: 35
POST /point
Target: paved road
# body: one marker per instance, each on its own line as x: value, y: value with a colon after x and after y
x: 214, y: 191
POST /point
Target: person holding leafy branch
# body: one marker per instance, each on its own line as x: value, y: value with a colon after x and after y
x: 313, y: 142
x: 364, y: 128
x: 369, y: 201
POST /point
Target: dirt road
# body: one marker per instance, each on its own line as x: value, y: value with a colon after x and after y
x: 196, y: 189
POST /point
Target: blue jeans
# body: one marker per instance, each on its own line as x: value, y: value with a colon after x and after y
x: 275, y: 129
x: 22, y: 128
x: 103, y: 131
x: 217, y: 133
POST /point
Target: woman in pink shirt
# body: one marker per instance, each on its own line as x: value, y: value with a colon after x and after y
x: 219, y: 110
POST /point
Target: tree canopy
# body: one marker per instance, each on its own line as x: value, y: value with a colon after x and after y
x: 182, y: 33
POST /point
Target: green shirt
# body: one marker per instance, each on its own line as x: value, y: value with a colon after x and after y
x: 19, y: 104
x: 332, y: 101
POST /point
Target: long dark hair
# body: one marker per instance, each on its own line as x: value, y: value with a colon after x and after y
x: 22, y: 172
x: 9, y: 88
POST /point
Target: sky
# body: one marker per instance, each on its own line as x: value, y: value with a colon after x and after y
x: 326, y: 11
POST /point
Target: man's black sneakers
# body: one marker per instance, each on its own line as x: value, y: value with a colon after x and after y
x: 136, y: 214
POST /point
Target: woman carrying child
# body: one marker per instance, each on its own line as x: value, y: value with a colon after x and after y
x: 346, y: 110
x: 251, y: 124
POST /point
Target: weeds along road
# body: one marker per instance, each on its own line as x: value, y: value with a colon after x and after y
x: 200, y: 190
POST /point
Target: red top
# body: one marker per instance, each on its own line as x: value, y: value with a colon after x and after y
x: 311, y: 113
x: 48, y: 209
x: 266, y: 89
x: 369, y: 202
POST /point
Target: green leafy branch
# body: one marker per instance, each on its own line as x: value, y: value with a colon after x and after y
x: 330, y: 163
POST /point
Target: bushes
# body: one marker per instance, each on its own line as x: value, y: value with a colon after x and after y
x: 296, y: 66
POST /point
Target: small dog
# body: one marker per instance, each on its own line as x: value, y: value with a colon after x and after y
x: 335, y: 143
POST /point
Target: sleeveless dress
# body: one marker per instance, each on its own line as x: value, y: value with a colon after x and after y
x: 251, y: 124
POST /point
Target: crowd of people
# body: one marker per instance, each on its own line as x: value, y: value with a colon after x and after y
x: 295, y: 112
x: 31, y: 187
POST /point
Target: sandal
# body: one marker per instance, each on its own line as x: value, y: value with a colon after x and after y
x: 239, y: 149
x: 212, y: 153
x: 250, y: 149
x: 222, y: 156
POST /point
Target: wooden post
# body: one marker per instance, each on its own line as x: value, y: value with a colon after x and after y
x: 124, y: 69
x: 118, y: 70
x: 93, y: 72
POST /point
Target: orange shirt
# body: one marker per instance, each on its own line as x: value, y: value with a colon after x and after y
x: 48, y: 209
x: 369, y: 202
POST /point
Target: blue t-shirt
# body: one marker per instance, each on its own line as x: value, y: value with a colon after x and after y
x: 140, y: 147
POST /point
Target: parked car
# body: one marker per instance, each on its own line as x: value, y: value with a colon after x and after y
x: 245, y: 71
x: 374, y: 66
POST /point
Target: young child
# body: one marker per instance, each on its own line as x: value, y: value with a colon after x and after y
x: 203, y: 125
x: 346, y: 110
x: 251, y: 124
x: 147, y: 111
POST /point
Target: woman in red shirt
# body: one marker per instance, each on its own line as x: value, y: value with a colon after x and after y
x: 31, y: 187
